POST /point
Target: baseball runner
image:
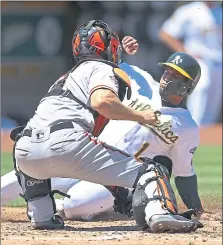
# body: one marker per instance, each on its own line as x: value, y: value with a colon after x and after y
x: 57, y: 141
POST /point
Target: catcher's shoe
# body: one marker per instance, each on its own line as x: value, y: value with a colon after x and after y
x: 56, y: 222
x: 171, y: 224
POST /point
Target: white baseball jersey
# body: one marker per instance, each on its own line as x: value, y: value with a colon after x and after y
x: 195, y: 23
x: 81, y: 82
x: 176, y: 135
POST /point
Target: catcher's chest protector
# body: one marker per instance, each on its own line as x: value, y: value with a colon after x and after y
x: 153, y: 186
x: 100, y: 121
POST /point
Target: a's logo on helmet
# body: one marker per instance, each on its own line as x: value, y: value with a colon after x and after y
x: 177, y: 60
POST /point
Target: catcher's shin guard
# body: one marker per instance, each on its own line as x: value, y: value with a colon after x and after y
x: 37, y: 194
x: 159, y: 195
x: 40, y: 202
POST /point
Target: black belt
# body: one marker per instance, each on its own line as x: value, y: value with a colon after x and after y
x: 56, y: 127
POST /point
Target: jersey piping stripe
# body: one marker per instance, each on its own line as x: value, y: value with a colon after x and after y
x: 102, y: 86
x: 96, y: 141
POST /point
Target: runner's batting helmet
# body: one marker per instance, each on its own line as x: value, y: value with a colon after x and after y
x: 95, y: 38
x: 189, y: 68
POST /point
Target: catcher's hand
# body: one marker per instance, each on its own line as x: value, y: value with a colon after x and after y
x: 130, y: 45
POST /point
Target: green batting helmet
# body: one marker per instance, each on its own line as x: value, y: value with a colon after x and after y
x: 187, y: 66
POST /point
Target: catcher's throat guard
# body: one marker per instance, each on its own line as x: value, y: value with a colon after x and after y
x: 163, y: 193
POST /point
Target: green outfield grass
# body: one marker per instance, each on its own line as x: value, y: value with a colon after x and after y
x: 207, y: 164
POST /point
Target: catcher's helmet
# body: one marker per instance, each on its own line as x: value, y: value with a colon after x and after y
x: 95, y: 38
x: 188, y: 67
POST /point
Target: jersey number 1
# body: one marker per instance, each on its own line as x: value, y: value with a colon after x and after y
x: 142, y: 149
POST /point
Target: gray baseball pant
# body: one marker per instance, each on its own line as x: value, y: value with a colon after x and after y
x: 71, y: 153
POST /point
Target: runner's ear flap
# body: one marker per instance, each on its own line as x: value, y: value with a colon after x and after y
x: 124, y: 80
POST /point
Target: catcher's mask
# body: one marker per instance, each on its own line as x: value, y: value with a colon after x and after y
x: 183, y: 85
x: 95, y: 38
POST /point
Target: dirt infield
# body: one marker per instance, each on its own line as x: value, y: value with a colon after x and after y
x: 111, y: 229
x: 106, y: 230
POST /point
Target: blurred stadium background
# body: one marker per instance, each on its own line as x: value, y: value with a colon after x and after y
x: 36, y: 45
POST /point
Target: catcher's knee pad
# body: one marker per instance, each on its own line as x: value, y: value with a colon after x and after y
x: 31, y: 187
x: 163, y: 191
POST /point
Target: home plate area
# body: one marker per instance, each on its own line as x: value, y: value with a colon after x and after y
x: 107, y: 229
